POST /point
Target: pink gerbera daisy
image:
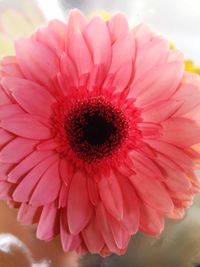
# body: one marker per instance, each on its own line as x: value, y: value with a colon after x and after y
x: 98, y: 127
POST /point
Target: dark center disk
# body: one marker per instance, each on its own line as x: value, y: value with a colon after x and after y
x: 95, y: 129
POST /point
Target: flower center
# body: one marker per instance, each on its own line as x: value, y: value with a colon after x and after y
x: 95, y: 128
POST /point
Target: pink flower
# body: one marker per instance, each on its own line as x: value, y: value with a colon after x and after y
x: 98, y: 127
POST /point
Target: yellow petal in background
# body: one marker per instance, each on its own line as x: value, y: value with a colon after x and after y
x: 191, y: 67
x: 6, y: 46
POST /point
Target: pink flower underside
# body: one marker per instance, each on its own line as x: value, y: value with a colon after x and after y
x: 157, y: 180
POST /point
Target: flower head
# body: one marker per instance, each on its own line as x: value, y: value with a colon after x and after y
x: 98, y: 127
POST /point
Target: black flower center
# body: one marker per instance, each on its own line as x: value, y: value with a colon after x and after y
x: 95, y: 128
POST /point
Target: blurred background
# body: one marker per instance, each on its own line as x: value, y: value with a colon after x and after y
x: 179, y: 245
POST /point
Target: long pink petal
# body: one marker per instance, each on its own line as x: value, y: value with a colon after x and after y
x: 69, y: 242
x: 10, y: 67
x: 104, y: 227
x: 188, y: 96
x: 172, y: 153
x: 27, y: 164
x: 123, y: 50
x: 28, y: 214
x: 181, y: 132
x: 131, y: 206
x: 157, y: 84
x: 26, y: 126
x: 24, y: 91
x: 118, y: 27
x: 68, y: 69
x: 4, y: 170
x: 79, y: 209
x: 26, y: 187
x: 46, y: 63
x: 5, y: 137
x: 7, y: 111
x: 152, y: 192
x: 17, y: 149
x: 149, y: 55
x: 48, y: 226
x: 98, y: 40
x: 94, y: 245
x: 53, y: 36
x: 49, y: 182
x: 63, y: 196
x: 152, y: 221
x: 6, y: 190
x: 4, y: 99
x: 76, y: 23
x: 120, y: 235
x: 160, y: 111
x: 144, y: 165
x: 80, y: 54
x: 111, y: 196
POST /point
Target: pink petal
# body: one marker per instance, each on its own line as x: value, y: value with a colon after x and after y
x: 157, y: 84
x: 104, y: 226
x: 28, y: 214
x: 53, y: 36
x: 143, y: 34
x: 123, y: 51
x: 131, y: 208
x: 175, y: 179
x: 66, y: 171
x: 4, y: 99
x: 79, y: 206
x: 41, y: 105
x: 63, y: 196
x: 149, y: 55
x: 160, y: 111
x: 111, y: 195
x: 48, y: 226
x: 188, y: 96
x: 92, y: 237
x: 16, y: 150
x: 4, y: 170
x: 69, y: 242
x: 151, y: 221
x: 27, y: 164
x: 76, y: 23
x: 46, y: 63
x: 5, y: 137
x: 93, y: 191
x: 118, y: 27
x: 48, y: 145
x: 26, y: 187
x: 7, y: 111
x: 10, y: 67
x: 181, y: 132
x: 98, y: 40
x: 144, y: 165
x: 172, y: 153
x: 68, y: 69
x: 120, y: 235
x: 80, y: 54
x: 123, y: 76
x: 152, y: 192
x: 177, y: 214
x: 49, y: 183
x: 6, y: 190
x: 26, y: 126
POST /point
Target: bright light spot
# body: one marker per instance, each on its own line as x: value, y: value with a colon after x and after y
x: 50, y: 9
x: 6, y: 240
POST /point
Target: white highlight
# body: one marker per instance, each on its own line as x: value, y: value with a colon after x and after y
x: 50, y: 9
x: 10, y: 244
